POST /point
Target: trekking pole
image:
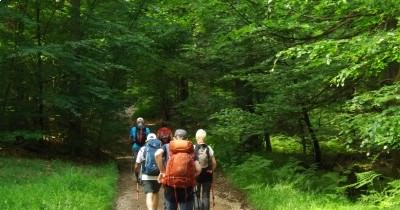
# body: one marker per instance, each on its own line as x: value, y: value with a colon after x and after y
x: 213, y: 196
x: 132, y: 162
x: 137, y: 195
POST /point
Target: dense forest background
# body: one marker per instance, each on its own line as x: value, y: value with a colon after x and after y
x: 317, y: 78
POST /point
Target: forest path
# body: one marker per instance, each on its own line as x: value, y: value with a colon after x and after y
x: 132, y: 198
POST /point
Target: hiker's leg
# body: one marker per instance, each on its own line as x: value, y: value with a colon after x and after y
x: 171, y: 205
x: 205, y: 201
x: 149, y: 201
x: 155, y: 200
x: 135, y: 151
x: 169, y: 199
x: 156, y: 189
x: 188, y: 205
x: 197, y: 191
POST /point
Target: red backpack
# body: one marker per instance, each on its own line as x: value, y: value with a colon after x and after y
x: 164, y: 134
x: 180, y: 170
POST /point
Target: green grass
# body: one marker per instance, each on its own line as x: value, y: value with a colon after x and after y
x: 28, y: 135
x: 286, y: 197
x: 290, y: 186
x: 41, y: 184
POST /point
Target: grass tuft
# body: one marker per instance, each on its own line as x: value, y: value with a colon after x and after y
x: 41, y: 184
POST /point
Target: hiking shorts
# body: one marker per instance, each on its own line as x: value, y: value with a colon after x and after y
x: 151, y: 186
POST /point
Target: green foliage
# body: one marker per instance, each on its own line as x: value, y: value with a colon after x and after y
x: 284, y: 196
x: 388, y: 198
x: 231, y: 128
x: 27, y: 135
x: 364, y: 178
x: 290, y: 185
x: 382, y: 197
x: 37, y: 184
x: 374, y: 119
x: 236, y: 122
x: 285, y: 144
x: 255, y: 169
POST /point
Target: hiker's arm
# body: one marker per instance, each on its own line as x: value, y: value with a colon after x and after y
x: 213, y: 163
x: 159, y: 161
x: 132, y: 135
x: 137, y: 167
x: 138, y: 160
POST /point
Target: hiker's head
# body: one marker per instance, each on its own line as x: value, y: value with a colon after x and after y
x: 200, y: 136
x: 151, y: 136
x: 140, y: 121
x: 180, y: 134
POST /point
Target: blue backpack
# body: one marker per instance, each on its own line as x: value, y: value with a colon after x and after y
x: 150, y: 167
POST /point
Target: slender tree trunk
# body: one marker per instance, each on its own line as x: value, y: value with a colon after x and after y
x: 3, y: 120
x: 74, y: 135
x: 244, y: 97
x: 303, y: 137
x: 317, y: 150
x: 183, y: 89
x: 164, y: 105
x: 267, y: 139
x: 392, y: 71
x: 39, y: 73
x: 164, y: 100
x: 395, y: 163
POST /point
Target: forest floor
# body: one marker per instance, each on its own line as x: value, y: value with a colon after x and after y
x: 132, y: 197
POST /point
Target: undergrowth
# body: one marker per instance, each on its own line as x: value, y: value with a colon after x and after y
x: 43, y: 184
x: 293, y: 186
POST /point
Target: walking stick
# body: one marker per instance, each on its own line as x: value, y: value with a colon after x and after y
x: 137, y: 195
x: 212, y: 192
x: 132, y: 162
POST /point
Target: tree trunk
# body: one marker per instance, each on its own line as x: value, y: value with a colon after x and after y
x: 183, y: 89
x: 39, y: 73
x: 317, y: 150
x: 3, y: 120
x: 267, y: 139
x: 395, y: 164
x: 74, y: 133
x: 164, y: 100
x: 303, y: 137
x: 244, y: 97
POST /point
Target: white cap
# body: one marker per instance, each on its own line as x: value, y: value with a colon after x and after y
x: 140, y: 119
x: 151, y: 136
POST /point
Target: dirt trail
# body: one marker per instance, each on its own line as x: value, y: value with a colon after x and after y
x: 226, y: 198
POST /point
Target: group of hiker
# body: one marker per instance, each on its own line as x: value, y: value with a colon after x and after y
x: 185, y: 170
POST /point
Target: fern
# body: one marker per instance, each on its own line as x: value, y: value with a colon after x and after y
x: 388, y: 198
x: 252, y: 171
x: 363, y: 179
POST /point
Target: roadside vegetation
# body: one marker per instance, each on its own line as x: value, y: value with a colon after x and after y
x: 55, y: 184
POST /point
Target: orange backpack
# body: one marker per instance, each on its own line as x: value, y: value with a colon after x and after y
x: 180, y: 170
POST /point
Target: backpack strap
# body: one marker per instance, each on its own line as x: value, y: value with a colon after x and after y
x: 133, y: 134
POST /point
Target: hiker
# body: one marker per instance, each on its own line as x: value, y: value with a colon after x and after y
x: 205, y: 156
x: 137, y: 137
x: 149, y: 170
x: 164, y: 134
x: 178, y: 170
